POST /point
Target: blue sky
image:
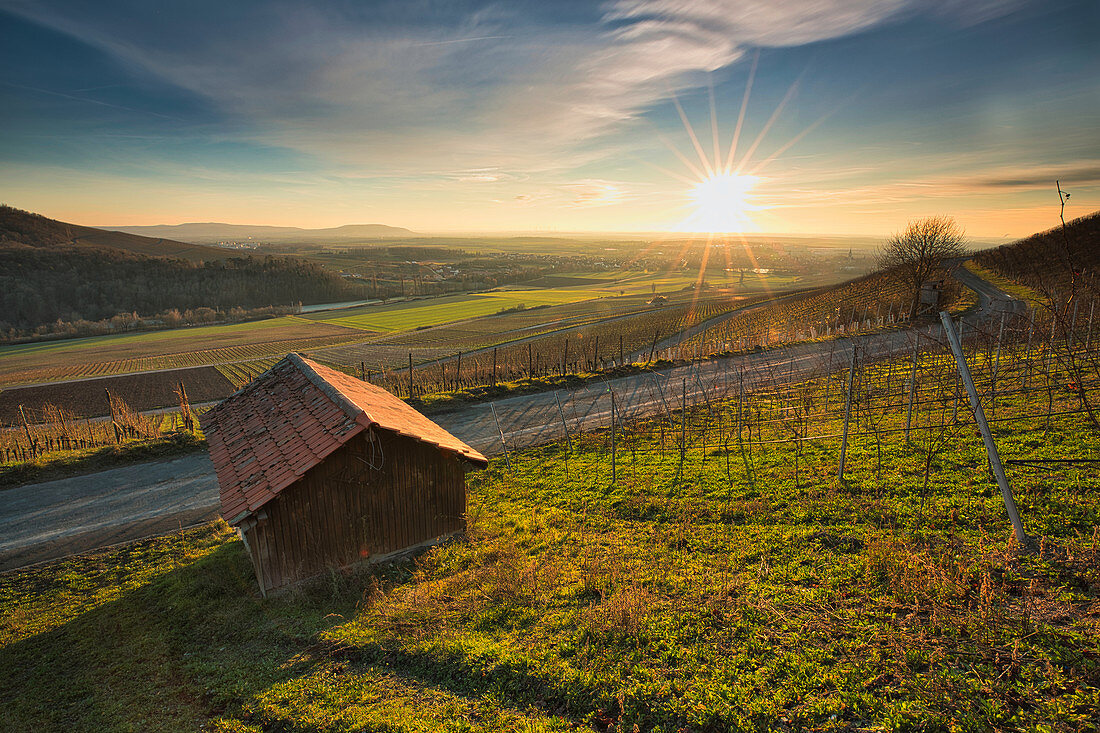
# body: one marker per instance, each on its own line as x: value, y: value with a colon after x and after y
x: 550, y: 116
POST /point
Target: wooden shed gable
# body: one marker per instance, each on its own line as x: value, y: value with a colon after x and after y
x: 267, y: 435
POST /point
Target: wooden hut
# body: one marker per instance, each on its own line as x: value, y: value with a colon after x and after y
x: 320, y: 470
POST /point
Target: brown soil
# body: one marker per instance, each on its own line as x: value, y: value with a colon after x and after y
x: 87, y: 398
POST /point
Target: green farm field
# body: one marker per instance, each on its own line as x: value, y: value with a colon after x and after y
x: 409, y: 315
x: 259, y: 340
x: 641, y: 282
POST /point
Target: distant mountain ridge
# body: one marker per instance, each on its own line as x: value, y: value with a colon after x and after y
x: 208, y: 232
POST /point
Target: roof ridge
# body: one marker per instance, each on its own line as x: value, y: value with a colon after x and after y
x: 330, y: 390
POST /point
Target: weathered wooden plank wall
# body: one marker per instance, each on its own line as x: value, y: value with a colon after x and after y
x: 350, y: 508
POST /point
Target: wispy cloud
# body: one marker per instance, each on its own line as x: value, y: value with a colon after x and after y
x: 86, y: 100
x: 387, y: 86
x: 596, y: 192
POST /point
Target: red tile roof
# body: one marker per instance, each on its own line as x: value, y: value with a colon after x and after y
x: 265, y: 436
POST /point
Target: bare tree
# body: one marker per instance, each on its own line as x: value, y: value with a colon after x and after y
x: 913, y: 255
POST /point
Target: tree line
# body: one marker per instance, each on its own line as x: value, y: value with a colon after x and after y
x: 42, y: 285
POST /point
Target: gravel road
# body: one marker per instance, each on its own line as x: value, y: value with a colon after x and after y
x: 43, y: 521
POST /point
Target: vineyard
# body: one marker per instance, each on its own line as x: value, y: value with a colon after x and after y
x: 564, y: 348
x: 827, y: 549
x: 867, y: 304
x: 143, y: 391
x: 430, y: 344
x: 53, y: 429
x: 241, y: 373
x: 182, y: 360
x: 815, y: 545
x: 1057, y: 262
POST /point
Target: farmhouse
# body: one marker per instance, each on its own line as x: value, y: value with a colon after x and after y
x: 320, y: 470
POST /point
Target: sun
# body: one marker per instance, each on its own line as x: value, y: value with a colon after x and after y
x: 722, y: 202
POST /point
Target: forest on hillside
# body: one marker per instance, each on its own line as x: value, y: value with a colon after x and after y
x: 42, y: 285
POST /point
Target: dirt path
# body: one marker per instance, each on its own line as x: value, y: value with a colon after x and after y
x: 57, y: 518
x: 48, y: 520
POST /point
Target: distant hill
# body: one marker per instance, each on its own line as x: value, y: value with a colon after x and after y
x: 1054, y: 259
x: 35, y: 230
x: 216, y: 232
x: 60, y: 278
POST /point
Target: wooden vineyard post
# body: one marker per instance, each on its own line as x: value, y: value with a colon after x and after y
x: 1027, y: 354
x: 683, y: 428
x: 745, y: 459
x: 114, y: 420
x: 530, y: 366
x: 410, y: 374
x: 847, y: 416
x: 661, y: 392
x: 622, y: 360
x: 1050, y: 349
x: 912, y: 392
x: 996, y: 369
x: 983, y: 426
x: 565, y: 358
x: 362, y: 371
x: 1088, y: 334
x: 500, y: 431
x: 494, y: 382
x: 458, y: 372
x: 31, y: 445
x: 564, y: 424
x: 185, y: 407
x: 614, y: 440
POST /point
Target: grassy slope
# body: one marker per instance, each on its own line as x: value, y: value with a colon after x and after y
x: 712, y: 602
x: 1030, y: 296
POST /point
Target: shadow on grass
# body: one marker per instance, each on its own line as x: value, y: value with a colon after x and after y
x: 197, y: 641
x: 189, y: 643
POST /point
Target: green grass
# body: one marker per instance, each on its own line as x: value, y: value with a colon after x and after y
x: 1032, y: 297
x: 725, y: 594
